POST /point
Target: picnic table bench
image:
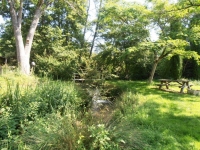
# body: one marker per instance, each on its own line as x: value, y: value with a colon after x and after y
x: 183, y: 83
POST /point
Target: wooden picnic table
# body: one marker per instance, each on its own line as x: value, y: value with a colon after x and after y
x: 183, y: 83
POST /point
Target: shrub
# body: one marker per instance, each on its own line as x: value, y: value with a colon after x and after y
x: 101, y: 138
x: 55, y: 68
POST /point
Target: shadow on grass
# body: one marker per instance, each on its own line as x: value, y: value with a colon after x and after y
x: 161, y: 118
x: 142, y: 87
x: 166, y: 130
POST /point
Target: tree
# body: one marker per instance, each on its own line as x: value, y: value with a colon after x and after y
x: 166, y: 48
x: 170, y: 25
x: 23, y: 48
x: 124, y: 24
x: 121, y: 26
x: 175, y: 64
x: 191, y: 28
x: 60, y: 31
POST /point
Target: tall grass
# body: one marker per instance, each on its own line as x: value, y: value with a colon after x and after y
x: 46, y: 114
x: 24, y: 109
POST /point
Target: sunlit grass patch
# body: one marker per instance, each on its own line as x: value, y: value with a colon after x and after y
x: 164, y: 120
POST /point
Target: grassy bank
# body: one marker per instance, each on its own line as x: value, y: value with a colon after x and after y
x: 43, y: 114
x: 38, y: 113
x: 161, y: 119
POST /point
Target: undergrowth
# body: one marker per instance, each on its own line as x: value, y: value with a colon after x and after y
x: 54, y: 115
x: 45, y: 114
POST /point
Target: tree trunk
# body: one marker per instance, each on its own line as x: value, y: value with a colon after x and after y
x: 23, y: 51
x: 29, y: 38
x: 96, y: 29
x: 86, y: 22
x: 153, y: 71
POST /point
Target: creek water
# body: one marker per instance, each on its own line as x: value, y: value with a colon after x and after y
x: 98, y: 102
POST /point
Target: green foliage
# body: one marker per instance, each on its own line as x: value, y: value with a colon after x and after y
x: 138, y: 63
x: 194, y: 29
x: 123, y: 25
x: 60, y: 27
x: 7, y: 47
x: 171, y: 68
x: 48, y: 41
x: 176, y: 67
x: 60, y: 42
x: 48, y: 115
x: 55, y: 68
x: 191, y: 70
x: 21, y: 106
x: 53, y: 57
x: 100, y: 137
x: 127, y: 64
x: 164, y: 14
x: 109, y: 62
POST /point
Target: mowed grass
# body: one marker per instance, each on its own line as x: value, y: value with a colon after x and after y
x: 162, y: 119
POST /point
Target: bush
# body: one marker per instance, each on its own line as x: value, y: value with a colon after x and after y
x: 55, y: 68
x: 101, y: 138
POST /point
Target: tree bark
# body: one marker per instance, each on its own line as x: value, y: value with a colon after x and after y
x: 86, y: 22
x: 23, y: 51
x: 153, y: 71
x: 96, y: 29
x: 29, y: 38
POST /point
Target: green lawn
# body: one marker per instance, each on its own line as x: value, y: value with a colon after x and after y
x: 164, y: 120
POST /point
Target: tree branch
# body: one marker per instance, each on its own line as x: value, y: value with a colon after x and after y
x: 40, y: 3
x: 72, y: 6
x: 13, y: 13
x: 191, y: 4
x: 162, y: 56
x: 19, y: 18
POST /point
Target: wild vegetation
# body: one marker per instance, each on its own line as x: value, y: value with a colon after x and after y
x: 108, y: 45
x: 38, y: 113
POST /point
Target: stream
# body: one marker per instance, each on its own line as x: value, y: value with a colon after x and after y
x: 98, y: 102
x: 101, y: 108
